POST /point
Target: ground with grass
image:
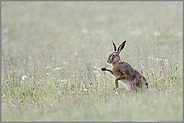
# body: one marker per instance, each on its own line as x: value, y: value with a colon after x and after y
x: 52, y: 53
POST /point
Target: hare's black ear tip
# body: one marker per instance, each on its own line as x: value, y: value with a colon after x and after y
x: 124, y: 41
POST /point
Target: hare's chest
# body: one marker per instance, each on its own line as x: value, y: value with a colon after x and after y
x: 116, y: 72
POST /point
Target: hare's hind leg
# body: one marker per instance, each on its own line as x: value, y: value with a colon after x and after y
x: 117, y: 79
x: 141, y: 86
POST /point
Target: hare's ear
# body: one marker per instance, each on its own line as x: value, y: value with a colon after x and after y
x: 114, y: 45
x: 121, y: 47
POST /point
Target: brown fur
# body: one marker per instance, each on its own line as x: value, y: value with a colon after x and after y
x: 125, y: 72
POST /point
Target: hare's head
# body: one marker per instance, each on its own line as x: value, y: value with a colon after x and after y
x: 113, y: 57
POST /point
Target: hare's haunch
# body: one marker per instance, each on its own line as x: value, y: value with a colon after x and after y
x: 130, y: 77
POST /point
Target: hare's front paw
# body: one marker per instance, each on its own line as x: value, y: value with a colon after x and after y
x: 103, y: 69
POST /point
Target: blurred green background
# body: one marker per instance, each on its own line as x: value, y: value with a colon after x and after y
x: 53, y: 52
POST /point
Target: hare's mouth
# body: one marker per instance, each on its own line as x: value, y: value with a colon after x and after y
x: 108, y: 61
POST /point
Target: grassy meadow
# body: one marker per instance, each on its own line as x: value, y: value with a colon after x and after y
x: 52, y: 53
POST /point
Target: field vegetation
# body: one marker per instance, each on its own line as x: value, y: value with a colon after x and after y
x: 52, y: 53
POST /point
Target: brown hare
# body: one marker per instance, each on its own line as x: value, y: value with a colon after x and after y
x: 130, y: 77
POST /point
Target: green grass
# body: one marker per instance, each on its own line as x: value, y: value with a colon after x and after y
x: 61, y: 46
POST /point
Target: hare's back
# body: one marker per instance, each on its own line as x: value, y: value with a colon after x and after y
x: 128, y: 70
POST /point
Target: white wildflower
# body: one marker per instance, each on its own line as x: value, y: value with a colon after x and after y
x: 166, y: 61
x: 150, y: 57
x: 93, y: 66
x: 24, y: 77
x: 13, y: 106
x: 48, y: 74
x: 65, y: 63
x: 60, y: 93
x: 85, y: 89
x: 57, y: 68
x: 98, y: 75
x: 151, y: 69
x: 157, y: 33
x: 95, y: 71
x: 63, y: 80
x: 4, y: 96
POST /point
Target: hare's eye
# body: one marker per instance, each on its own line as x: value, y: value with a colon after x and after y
x: 113, y: 56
